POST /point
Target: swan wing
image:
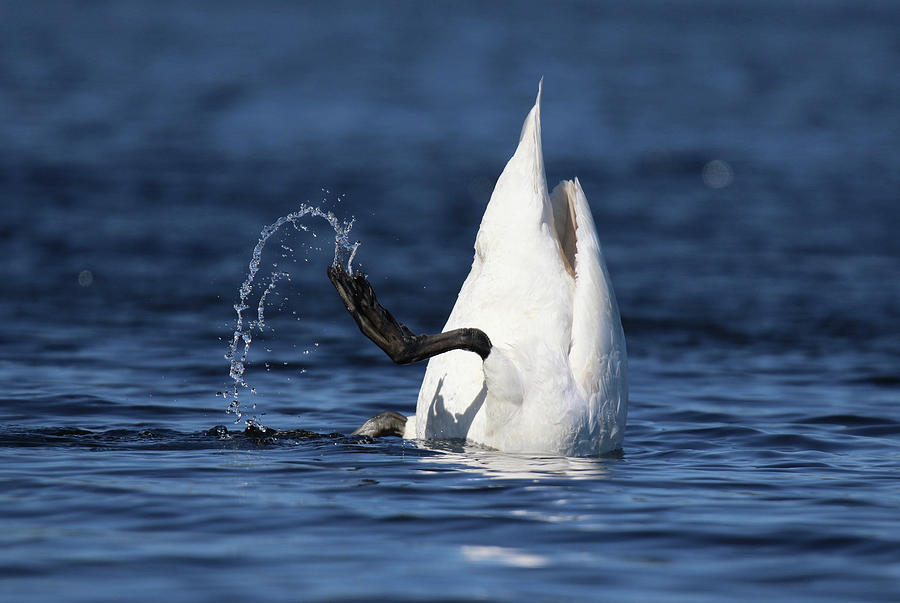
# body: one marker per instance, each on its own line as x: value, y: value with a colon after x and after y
x: 597, y: 355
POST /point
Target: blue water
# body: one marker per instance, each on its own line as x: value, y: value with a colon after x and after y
x: 143, y: 146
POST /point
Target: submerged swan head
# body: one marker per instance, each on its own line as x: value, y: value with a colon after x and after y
x: 549, y: 372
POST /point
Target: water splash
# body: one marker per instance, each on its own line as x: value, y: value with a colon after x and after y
x: 344, y: 253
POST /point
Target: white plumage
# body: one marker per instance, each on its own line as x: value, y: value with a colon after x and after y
x: 556, y: 378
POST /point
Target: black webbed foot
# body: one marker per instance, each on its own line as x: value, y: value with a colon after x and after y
x: 388, y: 423
x: 396, y: 339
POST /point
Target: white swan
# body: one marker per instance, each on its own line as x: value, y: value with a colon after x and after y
x: 555, y: 377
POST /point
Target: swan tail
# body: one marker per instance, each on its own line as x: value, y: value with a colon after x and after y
x: 520, y: 200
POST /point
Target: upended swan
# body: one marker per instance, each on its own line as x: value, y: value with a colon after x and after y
x: 532, y: 358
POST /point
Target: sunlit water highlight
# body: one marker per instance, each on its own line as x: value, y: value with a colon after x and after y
x: 239, y: 349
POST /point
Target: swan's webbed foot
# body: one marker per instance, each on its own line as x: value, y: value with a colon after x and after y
x: 388, y: 423
x: 398, y: 342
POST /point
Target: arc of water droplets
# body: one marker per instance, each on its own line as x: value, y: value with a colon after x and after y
x: 344, y: 252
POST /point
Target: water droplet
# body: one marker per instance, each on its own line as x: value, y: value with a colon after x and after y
x: 344, y: 253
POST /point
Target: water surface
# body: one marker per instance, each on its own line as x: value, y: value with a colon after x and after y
x: 144, y: 148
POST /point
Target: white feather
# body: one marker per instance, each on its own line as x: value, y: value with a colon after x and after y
x: 555, y: 380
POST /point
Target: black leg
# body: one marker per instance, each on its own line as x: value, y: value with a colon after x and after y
x: 388, y: 423
x: 402, y: 345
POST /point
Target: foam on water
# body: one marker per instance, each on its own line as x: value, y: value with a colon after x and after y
x: 239, y: 348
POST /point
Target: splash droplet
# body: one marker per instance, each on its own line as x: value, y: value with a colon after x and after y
x: 344, y: 253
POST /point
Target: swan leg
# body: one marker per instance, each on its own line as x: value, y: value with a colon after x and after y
x: 398, y: 342
x: 388, y: 423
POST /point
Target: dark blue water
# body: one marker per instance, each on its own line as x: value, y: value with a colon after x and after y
x: 143, y: 146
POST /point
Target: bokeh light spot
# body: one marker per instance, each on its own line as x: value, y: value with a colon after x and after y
x: 717, y: 174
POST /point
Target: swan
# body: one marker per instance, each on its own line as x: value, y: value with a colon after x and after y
x: 532, y: 358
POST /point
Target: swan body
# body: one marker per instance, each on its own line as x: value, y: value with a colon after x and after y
x: 555, y: 380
